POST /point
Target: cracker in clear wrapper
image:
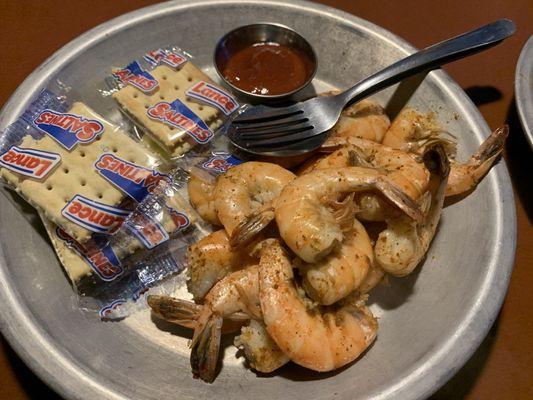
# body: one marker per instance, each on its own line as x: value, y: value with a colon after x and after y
x: 147, y: 227
x: 112, y: 277
x: 77, y: 192
x: 177, y: 105
x: 165, y: 209
x: 82, y: 261
x: 119, y: 221
x: 73, y: 263
x: 152, y: 272
x: 85, y: 176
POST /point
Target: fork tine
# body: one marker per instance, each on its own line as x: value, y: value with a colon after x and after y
x: 305, y: 143
x: 259, y: 114
x: 283, y: 137
x: 291, y: 149
x: 273, y: 131
x: 250, y: 129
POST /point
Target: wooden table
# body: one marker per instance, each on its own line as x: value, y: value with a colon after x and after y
x: 501, y: 368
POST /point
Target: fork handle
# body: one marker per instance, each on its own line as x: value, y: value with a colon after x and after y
x: 431, y: 58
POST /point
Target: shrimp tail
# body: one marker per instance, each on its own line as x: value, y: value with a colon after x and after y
x: 400, y: 199
x: 466, y: 176
x: 492, y: 146
x: 181, y: 312
x: 437, y: 162
x: 488, y: 152
x: 205, y: 349
x: 246, y: 231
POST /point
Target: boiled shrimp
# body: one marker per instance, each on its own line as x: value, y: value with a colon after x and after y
x: 201, y: 195
x: 236, y: 296
x: 319, y: 338
x: 244, y: 198
x: 212, y: 258
x: 411, y: 130
x: 307, y: 211
x: 261, y: 352
x: 403, y: 244
x: 463, y: 177
x: 342, y: 271
x: 405, y: 170
x: 365, y: 119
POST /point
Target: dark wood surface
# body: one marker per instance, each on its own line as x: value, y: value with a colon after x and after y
x: 30, y: 31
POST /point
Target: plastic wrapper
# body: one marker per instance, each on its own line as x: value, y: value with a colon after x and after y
x: 167, y: 202
x: 152, y: 272
x: 80, y: 171
x: 171, y: 100
x: 85, y: 176
x: 162, y: 216
x: 155, y: 267
x: 119, y: 221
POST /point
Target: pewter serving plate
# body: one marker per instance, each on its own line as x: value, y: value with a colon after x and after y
x: 524, y: 89
x: 430, y: 322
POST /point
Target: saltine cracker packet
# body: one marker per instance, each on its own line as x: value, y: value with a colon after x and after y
x: 146, y: 227
x: 167, y: 202
x: 171, y: 100
x: 116, y: 287
x: 154, y: 270
x: 75, y: 167
x: 81, y: 261
x: 85, y: 176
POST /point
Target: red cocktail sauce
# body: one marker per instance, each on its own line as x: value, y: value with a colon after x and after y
x: 268, y: 68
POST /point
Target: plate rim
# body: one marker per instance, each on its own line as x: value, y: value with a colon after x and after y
x: 46, y: 358
x: 523, y: 89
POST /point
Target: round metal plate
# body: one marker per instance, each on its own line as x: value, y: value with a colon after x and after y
x: 524, y: 89
x: 430, y: 322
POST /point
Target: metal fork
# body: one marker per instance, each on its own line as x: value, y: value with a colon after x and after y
x: 303, y: 127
